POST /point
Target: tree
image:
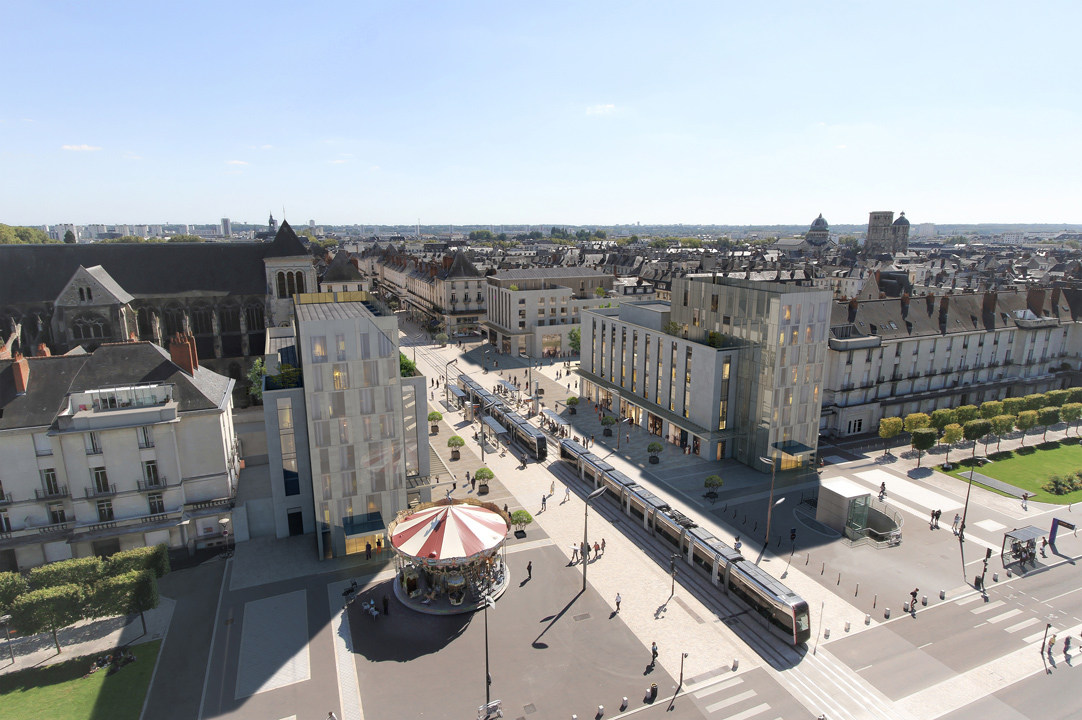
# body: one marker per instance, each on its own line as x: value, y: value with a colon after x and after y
x: 483, y: 474
x: 143, y: 595
x: 923, y: 439
x: 49, y: 608
x: 481, y: 236
x: 608, y: 421
x: 1001, y: 425
x: 916, y: 421
x: 520, y: 519
x: 952, y: 434
x: 889, y: 429
x: 406, y: 367
x: 600, y: 234
x: 991, y: 408
x: 1024, y: 421
x: 654, y: 448
x: 1075, y: 395
x: 12, y: 585
x: 441, y: 338
x: 941, y: 418
x: 976, y: 429
x: 435, y: 416
x: 672, y: 328
x: 1056, y: 398
x: 513, y: 288
x: 69, y: 237
x: 599, y: 292
x: 574, y: 339
x: 454, y: 442
x: 154, y: 558
x: 182, y: 238
x: 1013, y: 406
x: 572, y: 401
x: 1047, y: 417
x: 1070, y: 413
x: 848, y: 241
x: 965, y: 413
x: 1035, y: 401
x: 712, y: 483
x: 255, y: 378
x: 79, y: 571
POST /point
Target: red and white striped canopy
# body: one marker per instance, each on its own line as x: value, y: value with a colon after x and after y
x: 449, y: 532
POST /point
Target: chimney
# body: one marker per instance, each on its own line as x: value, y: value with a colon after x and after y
x: 1055, y: 300
x: 42, y: 350
x: 989, y: 305
x: 181, y: 353
x: 905, y: 305
x: 447, y: 260
x: 853, y: 305
x: 930, y: 301
x: 944, y: 304
x: 195, y: 355
x: 131, y: 337
x: 1035, y: 301
x: 21, y: 370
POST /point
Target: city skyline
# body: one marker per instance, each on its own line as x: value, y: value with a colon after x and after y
x: 599, y: 115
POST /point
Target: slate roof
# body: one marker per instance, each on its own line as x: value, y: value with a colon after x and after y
x: 52, y: 378
x: 545, y: 273
x: 38, y: 273
x: 342, y: 270
x: 98, y: 273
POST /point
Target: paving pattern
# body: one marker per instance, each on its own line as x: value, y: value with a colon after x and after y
x: 274, y: 644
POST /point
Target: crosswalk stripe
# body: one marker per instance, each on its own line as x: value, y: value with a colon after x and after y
x: 1004, y: 616
x: 1037, y: 636
x: 748, y: 713
x: 1024, y: 624
x: 966, y: 601
x: 989, y: 606
x: 732, y: 701
x: 717, y: 688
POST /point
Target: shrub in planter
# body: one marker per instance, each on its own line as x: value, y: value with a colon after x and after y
x: 483, y: 475
x: 434, y: 417
x: 608, y: 421
x: 520, y: 519
x: 654, y: 448
x: 712, y: 483
x: 572, y: 403
x: 455, y: 442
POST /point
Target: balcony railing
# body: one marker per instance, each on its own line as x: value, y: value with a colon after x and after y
x: 5, y: 499
x: 43, y: 453
x: 93, y: 492
x: 158, y: 483
x: 46, y: 494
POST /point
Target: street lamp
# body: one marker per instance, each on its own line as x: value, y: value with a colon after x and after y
x: 488, y: 675
x: 224, y: 522
x: 585, y: 519
x: 672, y: 571
x: 769, y: 508
x: 7, y: 633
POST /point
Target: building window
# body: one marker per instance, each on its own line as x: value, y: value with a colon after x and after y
x: 855, y: 426
x: 93, y: 443
x: 5, y: 521
x: 713, y: 303
x: 340, y: 347
x: 91, y: 328
x: 146, y: 436
x: 150, y: 472
x: 341, y: 377
x: 49, y: 482
x: 319, y: 349
x: 57, y: 515
x: 100, y: 479
x: 42, y: 445
x: 105, y: 510
x: 157, y: 503
x: 282, y: 285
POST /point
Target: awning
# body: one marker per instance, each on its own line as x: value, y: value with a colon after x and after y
x: 1026, y: 534
x: 507, y: 386
x: 494, y: 426
x: 555, y: 418
x: 457, y: 392
x: 449, y: 533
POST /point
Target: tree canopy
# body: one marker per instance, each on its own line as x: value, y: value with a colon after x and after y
x: 20, y: 235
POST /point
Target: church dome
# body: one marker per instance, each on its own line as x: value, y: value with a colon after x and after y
x: 820, y: 223
x: 901, y: 219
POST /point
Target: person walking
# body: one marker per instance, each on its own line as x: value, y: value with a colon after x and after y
x: 602, y: 546
x: 938, y: 514
x: 368, y: 551
x: 931, y: 522
x: 529, y: 570
x: 618, y: 599
x: 1044, y: 544
x: 567, y: 493
x: 552, y: 488
x: 629, y: 438
x: 574, y: 554
x: 1051, y: 644
x: 957, y: 519
x: 653, y: 654
x: 597, y: 550
x: 386, y: 605
x: 913, y: 605
x: 544, y: 497
x: 1025, y: 501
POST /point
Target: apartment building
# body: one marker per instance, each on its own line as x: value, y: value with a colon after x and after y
x: 896, y: 356
x: 347, y: 438
x: 130, y: 445
x: 532, y: 311
x: 731, y: 369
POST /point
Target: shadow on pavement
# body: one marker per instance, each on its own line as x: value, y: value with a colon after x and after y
x: 404, y: 634
x: 552, y: 620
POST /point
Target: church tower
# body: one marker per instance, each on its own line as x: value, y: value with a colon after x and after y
x: 289, y: 271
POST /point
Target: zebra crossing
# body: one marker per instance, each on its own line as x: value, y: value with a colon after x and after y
x: 733, y: 699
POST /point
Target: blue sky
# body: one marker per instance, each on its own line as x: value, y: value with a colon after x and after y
x: 565, y: 112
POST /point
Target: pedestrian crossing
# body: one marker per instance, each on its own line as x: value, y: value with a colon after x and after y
x: 733, y: 699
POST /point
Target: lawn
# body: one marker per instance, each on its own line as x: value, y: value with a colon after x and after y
x: 1028, y: 468
x: 59, y: 692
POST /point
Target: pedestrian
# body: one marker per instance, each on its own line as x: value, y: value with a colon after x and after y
x: 653, y: 653
x: 913, y: 605
x: 618, y: 598
x: 597, y: 550
x: 567, y: 493
x: 1044, y: 544
x: 629, y: 438
x: 931, y: 522
x: 574, y: 554
x: 379, y: 546
x: 1051, y: 644
x: 938, y: 514
x: 529, y: 570
x: 591, y: 441
x: 505, y: 509
x: 552, y: 488
x: 454, y: 484
x: 957, y: 519
x: 386, y: 605
x: 543, y: 499
x: 368, y: 551
x: 602, y: 546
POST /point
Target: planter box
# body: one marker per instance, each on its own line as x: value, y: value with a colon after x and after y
x: 654, y: 459
x: 482, y: 488
x: 435, y: 429
x: 520, y: 534
x: 454, y: 454
x: 607, y: 432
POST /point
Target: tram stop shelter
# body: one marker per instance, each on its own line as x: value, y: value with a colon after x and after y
x: 508, y: 388
x: 460, y: 398
x: 1022, y: 543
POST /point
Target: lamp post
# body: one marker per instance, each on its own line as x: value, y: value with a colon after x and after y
x: 488, y: 675
x: 769, y: 508
x: 683, y: 657
x: 447, y: 380
x: 585, y: 520
x: 672, y: 571
x: 224, y: 522
x: 7, y: 633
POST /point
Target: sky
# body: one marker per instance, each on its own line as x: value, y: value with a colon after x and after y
x: 583, y: 113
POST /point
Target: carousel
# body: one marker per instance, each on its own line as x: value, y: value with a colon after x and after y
x: 448, y: 554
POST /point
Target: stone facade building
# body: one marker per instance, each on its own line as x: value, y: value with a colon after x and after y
x: 884, y: 236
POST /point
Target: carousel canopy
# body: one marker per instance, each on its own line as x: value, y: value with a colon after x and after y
x: 447, y: 532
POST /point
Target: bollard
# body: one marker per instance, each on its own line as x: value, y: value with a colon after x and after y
x: 1008, y: 572
x: 875, y: 601
x: 623, y: 705
x: 826, y: 634
x: 942, y: 594
x: 886, y: 613
x: 867, y: 619
x: 905, y: 607
x: 839, y: 578
x: 736, y: 664
x: 855, y: 594
x: 808, y: 560
x: 995, y: 577
x: 847, y: 626
x: 600, y: 710
x: 924, y: 600
x: 824, y: 569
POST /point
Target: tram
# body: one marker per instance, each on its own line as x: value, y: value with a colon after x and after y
x: 525, y: 435
x: 778, y: 608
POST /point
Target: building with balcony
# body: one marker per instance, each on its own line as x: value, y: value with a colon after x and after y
x: 895, y: 356
x: 127, y: 446
x: 532, y: 311
x: 729, y: 369
x: 347, y: 437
